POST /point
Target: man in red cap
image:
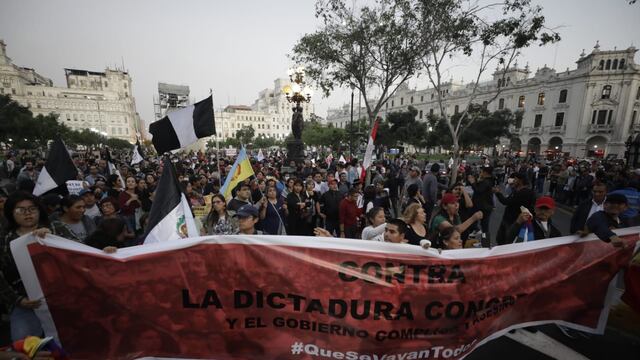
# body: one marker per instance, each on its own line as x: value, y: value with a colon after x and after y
x: 541, y: 222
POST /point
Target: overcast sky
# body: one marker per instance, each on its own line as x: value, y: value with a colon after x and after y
x: 239, y: 47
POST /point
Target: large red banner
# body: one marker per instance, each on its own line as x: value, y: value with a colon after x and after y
x: 265, y: 297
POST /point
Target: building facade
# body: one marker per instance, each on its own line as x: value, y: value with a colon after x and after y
x: 270, y: 115
x: 587, y: 111
x: 92, y: 100
x: 170, y: 97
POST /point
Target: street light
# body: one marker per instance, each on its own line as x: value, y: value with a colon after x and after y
x: 296, y: 93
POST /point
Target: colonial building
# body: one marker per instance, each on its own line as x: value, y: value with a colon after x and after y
x: 270, y: 115
x: 587, y: 111
x: 99, y: 100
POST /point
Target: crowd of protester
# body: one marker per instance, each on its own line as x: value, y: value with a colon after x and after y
x: 400, y: 200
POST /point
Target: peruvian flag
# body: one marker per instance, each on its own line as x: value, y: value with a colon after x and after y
x: 368, y: 155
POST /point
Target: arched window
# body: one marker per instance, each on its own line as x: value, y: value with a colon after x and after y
x: 621, y: 64
x: 601, y: 66
x: 501, y: 104
x: 508, y: 80
x: 606, y: 92
x: 608, y: 66
x: 615, y: 64
x: 541, y: 99
x: 563, y: 96
x: 521, y: 101
x: 456, y: 109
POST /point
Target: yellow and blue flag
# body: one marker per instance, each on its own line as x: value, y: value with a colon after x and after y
x: 241, y: 170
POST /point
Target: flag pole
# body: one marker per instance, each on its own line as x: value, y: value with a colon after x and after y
x: 217, y: 141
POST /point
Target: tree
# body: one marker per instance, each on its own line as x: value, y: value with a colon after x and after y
x: 263, y: 142
x: 451, y: 29
x: 246, y: 135
x: 403, y: 127
x: 316, y: 134
x: 485, y: 130
x: 368, y: 48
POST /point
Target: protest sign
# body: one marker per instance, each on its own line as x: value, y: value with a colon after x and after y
x: 273, y: 297
x: 74, y: 186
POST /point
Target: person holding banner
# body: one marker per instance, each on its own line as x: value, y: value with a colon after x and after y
x: 540, y: 221
x: 448, y: 216
x: 247, y: 217
x: 25, y: 214
x: 219, y: 221
x: 73, y: 224
x: 375, y: 231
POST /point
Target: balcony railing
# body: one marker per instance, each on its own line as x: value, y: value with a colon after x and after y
x: 557, y: 129
x: 534, y: 130
x: 600, y: 128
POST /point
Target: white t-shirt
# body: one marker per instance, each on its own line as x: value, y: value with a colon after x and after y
x: 374, y: 233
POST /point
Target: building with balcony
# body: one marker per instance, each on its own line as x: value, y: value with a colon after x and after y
x: 99, y: 100
x: 587, y: 111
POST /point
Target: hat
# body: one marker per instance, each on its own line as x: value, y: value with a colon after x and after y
x: 246, y: 211
x: 545, y: 201
x: 449, y: 198
x: 616, y: 199
x: 84, y: 191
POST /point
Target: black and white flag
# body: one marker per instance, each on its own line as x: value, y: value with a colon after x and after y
x: 112, y: 169
x: 137, y: 155
x: 183, y: 127
x: 170, y: 217
x: 57, y: 170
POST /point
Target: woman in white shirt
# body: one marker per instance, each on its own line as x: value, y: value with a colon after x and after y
x: 377, y: 221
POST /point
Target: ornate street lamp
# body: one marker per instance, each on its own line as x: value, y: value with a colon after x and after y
x: 296, y: 93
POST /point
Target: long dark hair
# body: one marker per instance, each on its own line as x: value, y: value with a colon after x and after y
x: 14, y: 199
x: 213, y: 216
x: 107, y: 233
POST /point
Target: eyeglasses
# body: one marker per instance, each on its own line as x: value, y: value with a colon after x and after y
x: 25, y: 210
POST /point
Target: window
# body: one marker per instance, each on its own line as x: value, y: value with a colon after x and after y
x: 499, y: 82
x: 621, y: 65
x: 638, y: 94
x: 541, y: 99
x: 500, y: 104
x: 608, y: 66
x: 606, y: 92
x: 432, y: 96
x: 563, y: 96
x: 594, y: 116
x: 13, y: 91
x: 601, y: 118
x: 391, y: 103
x: 456, y: 109
x: 421, y: 114
x: 615, y: 64
x: 29, y: 93
x: 106, y: 84
x: 559, y: 119
x: 508, y: 80
x: 401, y: 101
x: 421, y: 98
x: 386, y: 105
x: 485, y: 104
x: 538, y: 121
x: 431, y: 112
x: 609, y: 117
x: 521, y: 101
x: 412, y: 99
x: 634, y: 118
x: 601, y: 66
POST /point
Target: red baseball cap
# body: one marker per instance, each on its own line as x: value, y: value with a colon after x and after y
x: 449, y: 198
x: 546, y: 201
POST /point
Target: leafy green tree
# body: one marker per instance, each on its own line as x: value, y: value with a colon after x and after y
x: 368, y: 48
x: 404, y: 127
x: 263, y: 142
x: 453, y: 30
x: 485, y: 130
x: 246, y: 134
x: 316, y: 134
